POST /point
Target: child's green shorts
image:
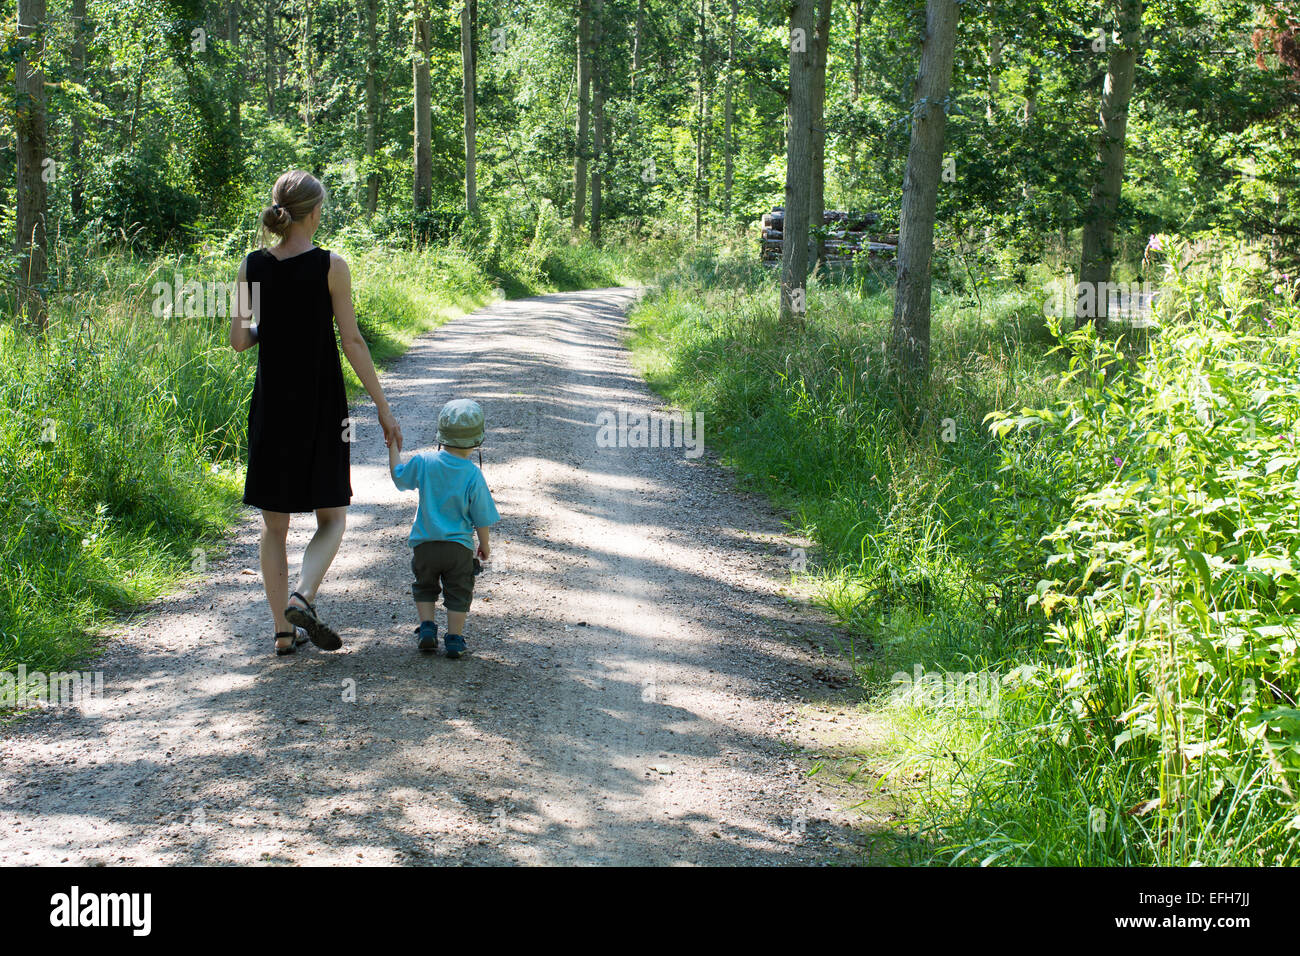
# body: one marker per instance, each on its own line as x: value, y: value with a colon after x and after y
x: 446, y: 567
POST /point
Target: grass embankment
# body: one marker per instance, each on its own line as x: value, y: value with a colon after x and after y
x: 1100, y: 596
x: 123, y: 445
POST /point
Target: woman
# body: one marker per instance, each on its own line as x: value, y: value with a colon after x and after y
x: 298, y: 429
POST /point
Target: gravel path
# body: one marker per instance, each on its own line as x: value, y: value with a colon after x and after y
x: 632, y: 695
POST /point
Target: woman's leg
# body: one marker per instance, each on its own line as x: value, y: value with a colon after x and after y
x: 324, y: 545
x: 275, y: 568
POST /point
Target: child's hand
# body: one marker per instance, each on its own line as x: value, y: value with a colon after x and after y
x: 484, y: 552
x: 392, y: 431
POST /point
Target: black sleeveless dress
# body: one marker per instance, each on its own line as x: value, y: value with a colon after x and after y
x: 298, y: 450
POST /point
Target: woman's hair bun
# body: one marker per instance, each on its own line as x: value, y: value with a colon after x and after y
x: 294, y: 196
x: 276, y: 219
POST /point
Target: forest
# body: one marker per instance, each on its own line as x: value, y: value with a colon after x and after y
x: 996, y: 303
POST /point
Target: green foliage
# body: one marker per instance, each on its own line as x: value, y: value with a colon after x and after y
x: 1174, y: 587
x: 130, y: 198
x: 181, y: 137
x: 117, y: 420
x: 1145, y: 495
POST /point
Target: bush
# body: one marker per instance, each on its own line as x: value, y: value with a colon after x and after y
x: 133, y: 198
x: 1174, y: 587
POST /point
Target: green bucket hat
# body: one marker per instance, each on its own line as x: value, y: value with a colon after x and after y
x: 460, y: 424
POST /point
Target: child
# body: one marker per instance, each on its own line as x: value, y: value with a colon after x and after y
x: 454, y: 505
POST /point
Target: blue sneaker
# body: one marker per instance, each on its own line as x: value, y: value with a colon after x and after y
x: 455, y: 645
x: 427, y: 635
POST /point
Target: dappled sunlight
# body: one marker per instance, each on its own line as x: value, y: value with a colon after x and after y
x: 626, y: 642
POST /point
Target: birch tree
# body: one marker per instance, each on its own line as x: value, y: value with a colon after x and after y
x: 911, y: 324
x: 798, y: 162
x: 423, y: 110
x: 33, y: 161
x: 1091, y: 302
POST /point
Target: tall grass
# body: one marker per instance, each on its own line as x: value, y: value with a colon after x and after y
x: 122, y: 451
x: 809, y: 414
x: 1149, y: 717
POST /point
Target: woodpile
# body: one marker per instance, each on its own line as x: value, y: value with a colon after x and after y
x: 848, y: 236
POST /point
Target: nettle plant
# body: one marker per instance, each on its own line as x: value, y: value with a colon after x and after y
x: 1173, y: 588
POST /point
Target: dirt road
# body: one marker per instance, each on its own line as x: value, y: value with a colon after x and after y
x: 628, y: 698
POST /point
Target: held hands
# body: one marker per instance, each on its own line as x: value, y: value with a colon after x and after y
x: 392, y: 431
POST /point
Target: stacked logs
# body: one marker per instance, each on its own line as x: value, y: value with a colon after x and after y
x: 847, y: 236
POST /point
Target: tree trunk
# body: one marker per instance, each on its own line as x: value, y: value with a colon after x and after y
x: 32, y: 153
x: 237, y: 65
x: 637, y: 30
x: 857, y: 86
x: 1092, y: 298
x: 995, y: 77
x: 307, y: 51
x: 423, y: 112
x: 991, y: 107
x: 135, y: 103
x: 370, y: 10
x: 858, y: 12
x: 794, y: 248
x: 599, y: 66
x: 911, y: 325
x: 817, y: 195
x: 1032, y: 84
x: 728, y: 114
x: 584, y: 106
x: 701, y: 127
x: 272, y: 68
x: 78, y: 71
x: 598, y: 158
x: 469, y: 89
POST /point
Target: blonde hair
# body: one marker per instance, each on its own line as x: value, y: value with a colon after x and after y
x: 293, y: 197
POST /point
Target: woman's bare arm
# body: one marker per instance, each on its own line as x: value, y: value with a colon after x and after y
x: 355, y: 348
x: 241, y: 317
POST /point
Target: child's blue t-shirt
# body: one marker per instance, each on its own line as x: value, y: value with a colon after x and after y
x: 454, y: 498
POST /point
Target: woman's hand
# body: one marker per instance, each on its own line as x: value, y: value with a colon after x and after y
x: 392, y: 430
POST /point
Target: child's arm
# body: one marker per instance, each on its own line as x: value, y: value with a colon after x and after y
x: 483, y: 512
x: 394, y: 456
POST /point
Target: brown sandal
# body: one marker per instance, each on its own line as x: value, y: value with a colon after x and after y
x: 317, y: 630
